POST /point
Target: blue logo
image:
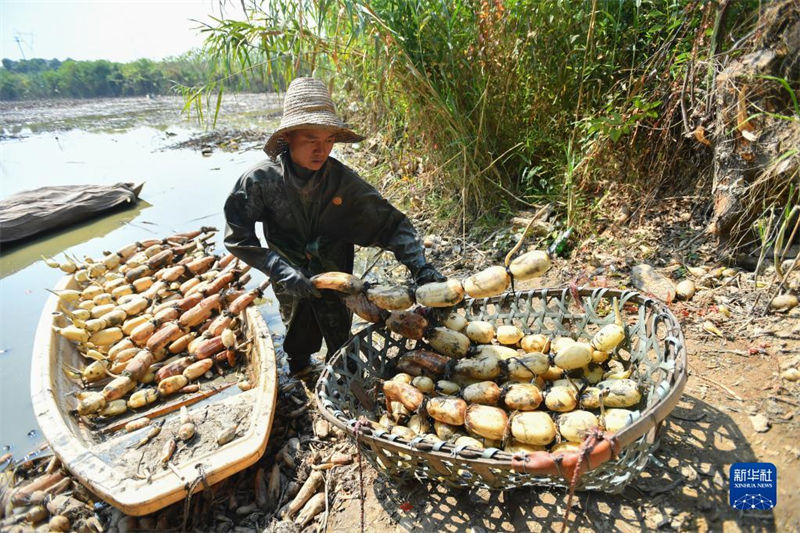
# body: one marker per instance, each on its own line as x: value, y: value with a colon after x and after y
x: 754, y: 486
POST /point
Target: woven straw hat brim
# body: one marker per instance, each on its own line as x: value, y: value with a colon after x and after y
x: 322, y: 119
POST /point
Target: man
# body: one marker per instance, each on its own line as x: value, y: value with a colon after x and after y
x: 314, y: 210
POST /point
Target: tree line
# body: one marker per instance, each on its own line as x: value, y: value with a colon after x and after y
x: 52, y: 78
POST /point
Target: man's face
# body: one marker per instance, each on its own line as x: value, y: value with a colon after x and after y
x: 310, y: 148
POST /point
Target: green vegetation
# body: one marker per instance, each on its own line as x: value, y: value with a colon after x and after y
x: 478, y: 108
x: 42, y: 78
x: 507, y: 103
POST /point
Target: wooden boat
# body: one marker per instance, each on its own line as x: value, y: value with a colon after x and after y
x: 46, y: 209
x: 133, y: 479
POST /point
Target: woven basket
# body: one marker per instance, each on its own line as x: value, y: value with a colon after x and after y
x: 348, y: 390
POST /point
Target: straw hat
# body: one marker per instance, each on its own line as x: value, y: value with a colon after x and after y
x: 308, y: 105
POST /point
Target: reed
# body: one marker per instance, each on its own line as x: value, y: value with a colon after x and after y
x: 476, y: 102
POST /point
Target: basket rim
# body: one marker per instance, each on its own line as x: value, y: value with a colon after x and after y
x: 646, y: 423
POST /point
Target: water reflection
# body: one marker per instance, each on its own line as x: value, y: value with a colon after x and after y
x: 183, y: 191
x: 16, y: 256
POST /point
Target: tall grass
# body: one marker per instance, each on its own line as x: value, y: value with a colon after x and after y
x: 776, y: 187
x: 491, y: 93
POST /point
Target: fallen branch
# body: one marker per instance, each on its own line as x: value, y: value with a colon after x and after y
x: 720, y: 385
x: 740, y: 353
x: 327, y: 507
x: 784, y: 400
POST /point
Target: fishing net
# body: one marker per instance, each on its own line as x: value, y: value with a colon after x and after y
x: 349, y: 390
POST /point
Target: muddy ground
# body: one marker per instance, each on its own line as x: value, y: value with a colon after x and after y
x: 738, y: 380
x: 238, y: 112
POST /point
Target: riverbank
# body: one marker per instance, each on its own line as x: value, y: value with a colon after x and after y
x: 740, y: 404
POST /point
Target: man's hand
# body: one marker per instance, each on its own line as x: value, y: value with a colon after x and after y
x: 298, y: 285
x: 295, y: 282
x: 428, y: 274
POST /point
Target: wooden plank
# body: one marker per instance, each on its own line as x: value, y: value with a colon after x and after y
x: 161, y: 410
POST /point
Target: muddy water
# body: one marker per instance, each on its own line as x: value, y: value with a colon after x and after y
x: 103, y: 142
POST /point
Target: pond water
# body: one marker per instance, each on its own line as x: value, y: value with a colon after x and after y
x: 104, y: 142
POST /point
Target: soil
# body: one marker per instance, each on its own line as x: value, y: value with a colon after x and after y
x: 732, y: 378
x: 735, y: 374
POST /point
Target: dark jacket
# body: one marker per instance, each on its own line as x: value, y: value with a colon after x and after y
x: 313, y: 220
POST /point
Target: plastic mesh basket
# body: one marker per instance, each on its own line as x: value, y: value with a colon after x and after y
x: 349, y: 388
